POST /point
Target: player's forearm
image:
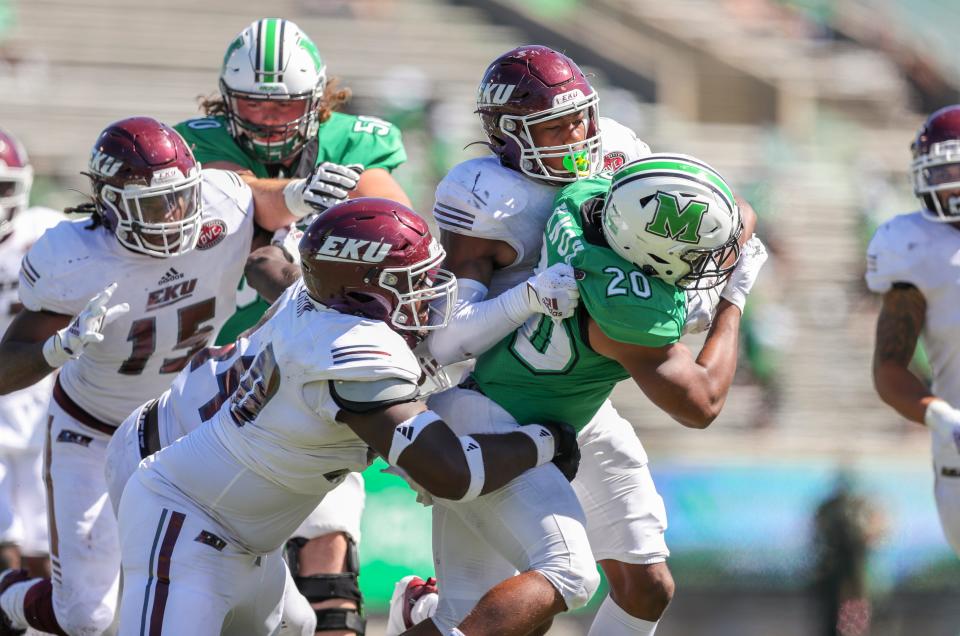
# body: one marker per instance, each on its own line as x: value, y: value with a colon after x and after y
x: 21, y: 365
x: 718, y: 359
x: 477, y: 324
x: 902, y: 390
x: 270, y: 209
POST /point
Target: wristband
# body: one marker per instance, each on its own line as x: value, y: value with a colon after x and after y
x: 407, y: 431
x: 293, y: 198
x: 543, y: 439
x: 474, y: 456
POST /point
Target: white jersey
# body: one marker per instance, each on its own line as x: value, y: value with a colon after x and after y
x: 926, y: 254
x: 177, y: 304
x: 482, y: 198
x: 271, y: 447
x: 22, y: 410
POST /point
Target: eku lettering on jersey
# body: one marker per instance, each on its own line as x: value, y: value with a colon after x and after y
x: 177, y: 304
x: 925, y: 254
x: 482, y: 198
x: 271, y: 446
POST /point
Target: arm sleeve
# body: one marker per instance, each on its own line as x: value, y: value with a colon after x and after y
x: 478, y: 324
x: 894, y: 256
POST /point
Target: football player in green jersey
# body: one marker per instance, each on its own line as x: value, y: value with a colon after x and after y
x: 275, y: 122
x: 638, y: 240
x: 276, y: 118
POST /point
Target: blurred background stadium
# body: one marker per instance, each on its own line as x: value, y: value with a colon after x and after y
x: 806, y: 482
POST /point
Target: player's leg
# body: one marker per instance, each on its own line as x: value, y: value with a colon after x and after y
x: 947, y: 494
x: 324, y: 562
x: 84, y: 547
x: 262, y: 593
x: 535, y: 523
x: 11, y: 525
x: 32, y: 509
x: 626, y: 521
x: 173, y: 582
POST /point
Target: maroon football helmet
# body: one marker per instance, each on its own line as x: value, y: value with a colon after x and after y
x: 376, y: 258
x: 146, y: 185
x: 530, y: 85
x: 16, y: 177
x: 936, y: 164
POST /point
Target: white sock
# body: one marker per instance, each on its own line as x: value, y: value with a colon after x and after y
x: 612, y: 620
x: 11, y: 602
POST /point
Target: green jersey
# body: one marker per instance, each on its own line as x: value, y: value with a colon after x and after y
x: 342, y: 139
x: 546, y: 371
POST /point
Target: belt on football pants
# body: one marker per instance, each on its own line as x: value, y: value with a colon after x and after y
x: 148, y: 430
x: 75, y: 411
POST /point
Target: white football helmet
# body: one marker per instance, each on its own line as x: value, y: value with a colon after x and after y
x: 272, y: 59
x: 676, y: 218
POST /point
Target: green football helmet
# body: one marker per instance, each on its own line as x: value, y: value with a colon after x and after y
x: 273, y: 60
x: 676, y: 218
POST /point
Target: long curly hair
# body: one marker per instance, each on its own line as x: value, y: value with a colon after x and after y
x: 333, y: 100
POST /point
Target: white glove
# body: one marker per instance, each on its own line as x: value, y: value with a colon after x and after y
x: 744, y: 275
x: 553, y: 292
x: 84, y: 329
x: 701, y: 309
x: 944, y: 423
x: 329, y: 185
x: 288, y: 239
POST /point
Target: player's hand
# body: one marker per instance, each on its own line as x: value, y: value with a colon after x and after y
x: 288, y: 240
x: 330, y: 184
x: 944, y: 423
x: 553, y: 292
x: 566, y: 453
x: 752, y: 257
x: 701, y: 309
x: 86, y: 328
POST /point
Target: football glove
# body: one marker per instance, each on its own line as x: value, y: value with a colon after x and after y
x: 566, y: 454
x: 701, y: 309
x: 86, y: 328
x: 329, y: 185
x: 553, y: 292
x: 744, y: 275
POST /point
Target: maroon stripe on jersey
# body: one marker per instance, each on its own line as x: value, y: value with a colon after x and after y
x: 163, y: 572
x: 376, y: 352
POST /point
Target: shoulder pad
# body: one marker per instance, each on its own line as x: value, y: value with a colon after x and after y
x: 897, y: 251
x: 371, y: 351
x: 477, y: 195
x: 53, y: 272
x: 226, y: 185
x: 620, y: 145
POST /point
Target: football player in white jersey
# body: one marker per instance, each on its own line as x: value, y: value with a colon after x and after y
x: 23, y: 514
x: 541, y: 120
x: 118, y: 303
x: 913, y: 261
x: 326, y: 381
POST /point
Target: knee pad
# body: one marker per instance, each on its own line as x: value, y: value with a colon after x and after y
x: 576, y: 579
x: 323, y: 587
